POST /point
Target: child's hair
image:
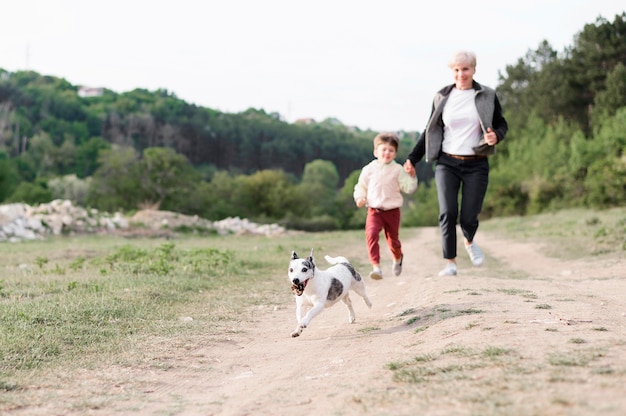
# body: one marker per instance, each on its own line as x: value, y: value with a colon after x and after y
x: 387, y: 137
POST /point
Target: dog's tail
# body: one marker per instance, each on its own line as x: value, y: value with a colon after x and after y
x: 336, y: 260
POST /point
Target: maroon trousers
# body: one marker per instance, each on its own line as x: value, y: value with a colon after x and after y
x: 378, y: 220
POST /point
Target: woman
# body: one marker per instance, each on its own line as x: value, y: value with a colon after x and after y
x: 465, y: 124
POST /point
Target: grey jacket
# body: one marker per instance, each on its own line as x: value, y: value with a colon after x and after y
x: 489, y: 113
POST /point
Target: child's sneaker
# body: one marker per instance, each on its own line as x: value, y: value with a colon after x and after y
x: 449, y: 270
x: 376, y: 274
x: 397, y: 266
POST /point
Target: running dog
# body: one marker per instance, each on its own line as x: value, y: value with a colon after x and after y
x: 320, y: 289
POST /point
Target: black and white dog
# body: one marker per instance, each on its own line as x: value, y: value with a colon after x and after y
x: 320, y: 289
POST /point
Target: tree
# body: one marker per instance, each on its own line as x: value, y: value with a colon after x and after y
x: 608, y: 101
x: 87, y: 156
x: 267, y: 195
x: 9, y: 179
x: 114, y: 185
x: 319, y: 182
x: 164, y: 176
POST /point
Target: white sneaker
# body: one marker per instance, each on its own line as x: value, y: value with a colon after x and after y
x: 475, y: 253
x: 397, y: 267
x: 449, y: 270
x: 376, y: 274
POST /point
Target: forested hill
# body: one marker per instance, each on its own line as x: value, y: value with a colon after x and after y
x: 53, y: 112
x: 565, y: 146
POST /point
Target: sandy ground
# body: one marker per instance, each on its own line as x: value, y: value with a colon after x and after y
x: 555, y: 330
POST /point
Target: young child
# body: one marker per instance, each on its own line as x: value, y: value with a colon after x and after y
x: 380, y: 187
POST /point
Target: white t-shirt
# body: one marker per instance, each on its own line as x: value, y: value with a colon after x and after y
x: 462, y: 129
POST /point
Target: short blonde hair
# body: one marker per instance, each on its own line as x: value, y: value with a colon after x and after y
x: 463, y: 58
x: 387, y: 137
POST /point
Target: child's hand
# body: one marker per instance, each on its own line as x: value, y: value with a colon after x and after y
x: 409, y: 168
x: 360, y: 202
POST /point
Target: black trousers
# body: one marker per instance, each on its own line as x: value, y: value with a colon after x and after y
x: 471, y: 177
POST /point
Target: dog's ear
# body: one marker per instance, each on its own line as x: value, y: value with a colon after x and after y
x: 311, y: 259
x: 294, y: 255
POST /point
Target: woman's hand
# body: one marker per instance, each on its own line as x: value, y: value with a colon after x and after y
x: 360, y: 202
x: 490, y: 137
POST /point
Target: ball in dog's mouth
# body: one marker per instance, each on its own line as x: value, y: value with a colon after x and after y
x: 298, y: 289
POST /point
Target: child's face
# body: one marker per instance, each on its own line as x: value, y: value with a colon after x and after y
x: 385, y: 152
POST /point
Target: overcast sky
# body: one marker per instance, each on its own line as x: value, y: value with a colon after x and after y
x: 371, y: 64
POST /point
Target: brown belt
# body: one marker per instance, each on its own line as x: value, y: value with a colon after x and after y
x: 463, y: 157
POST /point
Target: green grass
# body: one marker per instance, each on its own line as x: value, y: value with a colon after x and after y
x: 586, y: 232
x: 77, y: 301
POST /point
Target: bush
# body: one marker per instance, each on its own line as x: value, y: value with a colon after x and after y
x: 31, y: 193
x: 319, y: 223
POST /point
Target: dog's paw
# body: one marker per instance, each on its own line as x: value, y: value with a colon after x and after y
x: 297, y: 289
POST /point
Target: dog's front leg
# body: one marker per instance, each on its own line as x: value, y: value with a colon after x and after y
x: 315, y: 310
x: 312, y: 313
x: 299, y: 311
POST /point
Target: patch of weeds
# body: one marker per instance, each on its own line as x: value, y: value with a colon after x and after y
x: 562, y: 402
x: 471, y: 325
x: 420, y: 329
x: 475, y: 294
x: 551, y: 330
x: 601, y: 232
x: 456, y: 291
x: 600, y: 329
x: 603, y: 371
x: 448, y: 313
x: 470, y: 311
x: 195, y: 229
x: 77, y: 264
x: 520, y: 292
x: 393, y: 366
x: 41, y: 261
x: 166, y: 259
x: 424, y: 369
x: 424, y: 358
x: 456, y: 350
x: 58, y: 270
x: 572, y: 359
x: 407, y: 312
x: 6, y: 386
x: 495, y: 352
x: 510, y: 322
x: 577, y: 341
x: 369, y: 329
x: 419, y: 375
x: 543, y: 306
x: 593, y: 221
x: 412, y: 320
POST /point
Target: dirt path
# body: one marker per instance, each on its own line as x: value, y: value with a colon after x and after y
x: 558, y: 326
